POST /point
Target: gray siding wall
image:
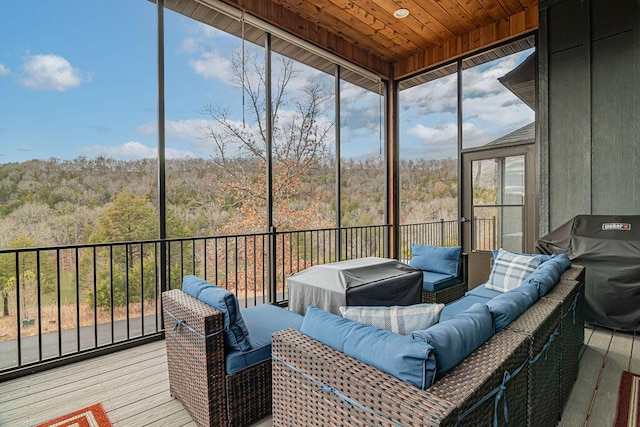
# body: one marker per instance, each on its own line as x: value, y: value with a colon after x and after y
x: 590, y: 81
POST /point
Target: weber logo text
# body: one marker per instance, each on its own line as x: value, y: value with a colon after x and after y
x: 621, y: 226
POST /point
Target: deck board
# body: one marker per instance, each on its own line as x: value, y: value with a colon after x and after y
x: 635, y: 355
x: 133, y: 386
x: 597, y: 344
x: 604, y: 406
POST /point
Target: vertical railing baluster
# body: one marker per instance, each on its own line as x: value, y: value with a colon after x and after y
x: 264, y: 265
x: 255, y: 272
x: 58, y: 298
x: 168, y: 266
x: 181, y: 258
x: 95, y: 297
x: 235, y: 246
x: 18, y: 311
x: 204, y: 259
x: 141, y: 290
x: 39, y: 300
x: 226, y: 263
x: 216, y: 260
x: 126, y: 285
x: 193, y: 256
x: 77, y: 265
x: 157, y: 293
x: 246, y: 273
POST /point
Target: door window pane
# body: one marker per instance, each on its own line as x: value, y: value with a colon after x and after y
x: 498, y: 203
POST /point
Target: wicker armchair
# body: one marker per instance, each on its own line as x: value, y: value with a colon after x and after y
x: 452, y: 293
x: 196, y: 361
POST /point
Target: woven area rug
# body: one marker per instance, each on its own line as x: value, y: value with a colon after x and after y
x: 628, y: 411
x: 91, y: 416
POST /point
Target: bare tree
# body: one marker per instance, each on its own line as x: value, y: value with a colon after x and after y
x: 301, y: 135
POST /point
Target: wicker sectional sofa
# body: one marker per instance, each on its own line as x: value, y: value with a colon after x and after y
x: 520, y: 376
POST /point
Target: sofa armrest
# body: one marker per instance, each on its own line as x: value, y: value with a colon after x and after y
x: 315, y: 383
x: 195, y: 356
x: 499, y: 361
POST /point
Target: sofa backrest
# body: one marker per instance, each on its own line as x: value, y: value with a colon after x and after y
x: 410, y: 360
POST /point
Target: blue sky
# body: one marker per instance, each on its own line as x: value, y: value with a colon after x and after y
x: 78, y: 78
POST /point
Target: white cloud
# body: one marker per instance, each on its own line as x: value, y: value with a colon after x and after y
x: 211, y: 65
x: 132, y: 150
x: 190, y: 129
x: 446, y: 133
x: 206, y: 60
x: 51, y: 72
x: 3, y: 70
x: 436, y: 96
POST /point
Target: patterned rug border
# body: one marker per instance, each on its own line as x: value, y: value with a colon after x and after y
x: 628, y: 407
x: 97, y: 414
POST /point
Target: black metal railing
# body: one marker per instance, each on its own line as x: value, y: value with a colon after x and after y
x: 485, y: 234
x: 437, y: 233
x: 64, y: 303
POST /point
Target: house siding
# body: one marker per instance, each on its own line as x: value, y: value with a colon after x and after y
x: 591, y: 141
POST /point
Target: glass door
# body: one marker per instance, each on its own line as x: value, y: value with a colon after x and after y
x: 498, y: 205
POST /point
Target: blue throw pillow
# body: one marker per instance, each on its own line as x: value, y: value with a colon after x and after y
x: 505, y: 308
x: 439, y: 259
x: 546, y: 275
x: 235, y: 331
x: 409, y: 360
x: 543, y: 257
x: 454, y: 339
x: 510, y: 270
x: 193, y: 285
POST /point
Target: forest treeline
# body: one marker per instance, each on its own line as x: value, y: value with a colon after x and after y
x: 62, y: 202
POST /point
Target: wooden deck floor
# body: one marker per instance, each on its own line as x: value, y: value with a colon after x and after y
x: 133, y: 386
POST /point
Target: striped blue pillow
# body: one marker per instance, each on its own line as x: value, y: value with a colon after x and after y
x: 510, y: 269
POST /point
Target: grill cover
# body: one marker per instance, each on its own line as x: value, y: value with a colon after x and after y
x: 608, y: 246
x: 362, y: 281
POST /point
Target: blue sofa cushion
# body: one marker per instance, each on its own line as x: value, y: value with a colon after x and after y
x: 409, y: 360
x: 261, y: 321
x: 399, y: 319
x: 433, y: 282
x: 505, y: 308
x: 463, y: 304
x: 454, y: 339
x: 438, y: 259
x: 236, y: 336
x: 510, y: 269
x: 546, y: 275
x: 483, y: 292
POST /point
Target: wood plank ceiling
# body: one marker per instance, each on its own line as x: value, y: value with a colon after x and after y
x: 366, y: 32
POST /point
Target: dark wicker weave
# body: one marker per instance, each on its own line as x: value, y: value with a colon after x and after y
x: 483, y: 371
x: 452, y: 293
x: 249, y: 394
x: 197, y: 376
x: 300, y: 400
x: 540, y: 322
x: 571, y: 332
x: 445, y: 295
x: 576, y: 272
x: 304, y: 369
